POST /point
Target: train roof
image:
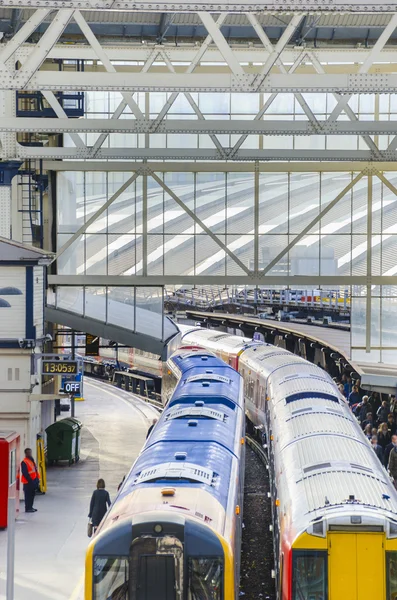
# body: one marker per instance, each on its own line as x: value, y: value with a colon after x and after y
x: 217, y: 384
x: 199, y: 422
x: 323, y: 461
x: 213, y: 339
x: 206, y: 466
x: 188, y: 358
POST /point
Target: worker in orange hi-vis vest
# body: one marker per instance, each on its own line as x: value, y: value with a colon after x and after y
x: 30, y: 478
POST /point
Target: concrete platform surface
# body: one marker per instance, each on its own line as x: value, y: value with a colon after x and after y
x: 50, y: 544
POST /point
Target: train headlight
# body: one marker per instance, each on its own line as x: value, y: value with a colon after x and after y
x: 158, y: 528
x: 356, y: 520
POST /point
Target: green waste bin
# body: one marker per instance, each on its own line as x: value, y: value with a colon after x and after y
x: 78, y: 435
x: 61, y: 441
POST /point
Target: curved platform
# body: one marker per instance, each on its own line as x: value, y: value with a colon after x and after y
x: 374, y: 376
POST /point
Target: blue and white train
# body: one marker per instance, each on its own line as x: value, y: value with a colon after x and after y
x: 174, y: 531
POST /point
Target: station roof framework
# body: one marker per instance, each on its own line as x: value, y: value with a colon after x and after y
x: 214, y: 63
x: 133, y: 51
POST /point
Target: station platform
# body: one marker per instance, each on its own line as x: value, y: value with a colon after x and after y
x: 50, y: 544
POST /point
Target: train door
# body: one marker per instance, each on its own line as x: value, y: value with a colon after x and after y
x: 356, y: 566
x: 156, y: 577
x: 156, y: 568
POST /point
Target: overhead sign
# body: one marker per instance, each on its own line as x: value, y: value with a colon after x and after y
x: 59, y: 367
x: 72, y: 387
x: 91, y: 345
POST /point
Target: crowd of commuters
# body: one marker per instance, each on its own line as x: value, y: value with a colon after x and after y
x: 377, y: 415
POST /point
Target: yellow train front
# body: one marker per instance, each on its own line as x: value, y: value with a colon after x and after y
x: 174, y: 531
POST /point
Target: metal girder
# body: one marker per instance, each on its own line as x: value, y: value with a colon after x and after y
x: 368, y: 303
x: 217, y: 167
x: 240, y: 7
x: 158, y: 280
x: 277, y: 50
x: 22, y: 35
x: 199, y: 126
x: 24, y: 152
x: 213, y: 30
x: 206, y: 82
x: 101, y: 54
x: 364, y: 68
x: 43, y: 47
x: 253, y: 53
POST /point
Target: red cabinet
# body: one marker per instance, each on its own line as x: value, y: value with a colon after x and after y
x: 9, y: 473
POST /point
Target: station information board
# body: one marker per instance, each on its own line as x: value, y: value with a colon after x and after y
x: 59, y: 367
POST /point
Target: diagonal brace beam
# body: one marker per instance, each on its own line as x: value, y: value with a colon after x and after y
x: 200, y: 223
x: 97, y: 214
x: 312, y: 223
x: 213, y: 29
x: 45, y: 45
x: 365, y: 67
x: 22, y: 35
x: 385, y: 181
x: 275, y: 55
x: 103, y: 57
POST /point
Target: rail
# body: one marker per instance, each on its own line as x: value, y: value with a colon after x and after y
x: 257, y: 448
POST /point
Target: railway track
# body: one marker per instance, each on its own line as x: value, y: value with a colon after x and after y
x: 257, y: 561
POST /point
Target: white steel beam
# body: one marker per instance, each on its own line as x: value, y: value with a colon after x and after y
x: 269, y: 47
x: 196, y: 109
x: 349, y: 112
x: 208, y: 82
x: 43, y: 47
x: 194, y: 62
x: 59, y: 111
x: 120, y: 109
x: 101, y: 54
x: 368, y: 305
x: 262, y: 111
x: 270, y: 6
x: 294, y: 281
x: 22, y: 35
x: 200, y: 223
x: 364, y: 68
x: 274, y: 56
x: 213, y: 29
x: 199, y: 126
x: 217, y: 167
x: 252, y: 53
x: 312, y: 223
x: 24, y: 152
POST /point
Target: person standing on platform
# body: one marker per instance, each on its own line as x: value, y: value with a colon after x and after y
x: 30, y: 478
x: 392, y: 466
x: 100, y: 501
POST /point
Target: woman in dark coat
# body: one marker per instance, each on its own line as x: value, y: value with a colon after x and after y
x: 100, y: 502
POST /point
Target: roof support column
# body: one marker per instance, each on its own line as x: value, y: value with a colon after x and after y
x: 256, y: 217
x: 368, y: 316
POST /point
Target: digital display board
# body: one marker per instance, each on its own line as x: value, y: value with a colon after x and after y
x: 59, y: 367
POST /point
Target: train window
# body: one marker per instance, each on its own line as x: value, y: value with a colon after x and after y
x: 309, y: 579
x: 110, y: 578
x: 391, y: 575
x: 205, y: 579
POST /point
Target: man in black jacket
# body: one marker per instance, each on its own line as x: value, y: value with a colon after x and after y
x: 388, y: 449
